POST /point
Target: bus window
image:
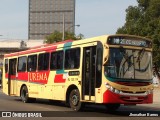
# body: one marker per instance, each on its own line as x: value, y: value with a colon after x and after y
x: 12, y: 66
x: 126, y: 64
x: 53, y: 64
x: 22, y: 62
x: 6, y: 65
x: 72, y: 58
x: 32, y: 63
x: 43, y: 61
x: 56, y: 60
x: 99, y: 64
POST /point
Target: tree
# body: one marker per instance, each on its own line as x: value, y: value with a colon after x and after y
x: 57, y: 37
x: 144, y: 20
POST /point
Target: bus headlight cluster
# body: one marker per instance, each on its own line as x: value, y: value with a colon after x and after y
x: 112, y: 89
x: 149, y: 91
x: 109, y: 87
x: 117, y: 91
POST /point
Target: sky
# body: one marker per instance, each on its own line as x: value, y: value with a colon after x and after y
x: 95, y: 17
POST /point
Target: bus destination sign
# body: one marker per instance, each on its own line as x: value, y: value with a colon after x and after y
x: 129, y: 42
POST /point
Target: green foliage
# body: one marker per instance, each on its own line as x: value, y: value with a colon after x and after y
x: 57, y: 37
x: 144, y: 20
x: 54, y: 37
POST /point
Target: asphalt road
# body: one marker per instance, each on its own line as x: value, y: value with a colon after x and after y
x: 58, y: 110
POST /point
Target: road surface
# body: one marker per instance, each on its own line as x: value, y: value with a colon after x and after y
x: 46, y: 109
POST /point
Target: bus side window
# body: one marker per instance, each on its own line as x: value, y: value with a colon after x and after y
x: 12, y: 66
x: 60, y: 60
x: 99, y: 64
x: 72, y: 58
x: 6, y: 65
x: 32, y: 63
x: 22, y: 62
x: 53, y: 62
x: 43, y: 61
x: 56, y: 60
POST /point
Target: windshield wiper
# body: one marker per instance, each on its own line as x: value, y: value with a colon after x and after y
x: 126, y: 56
x: 123, y: 53
x: 127, y: 59
x: 139, y: 57
x: 140, y: 54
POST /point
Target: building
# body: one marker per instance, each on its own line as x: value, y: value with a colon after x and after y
x: 10, y: 46
x: 47, y: 16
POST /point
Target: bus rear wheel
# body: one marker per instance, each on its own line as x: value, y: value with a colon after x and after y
x: 24, y: 95
x: 74, y: 100
x: 112, y: 107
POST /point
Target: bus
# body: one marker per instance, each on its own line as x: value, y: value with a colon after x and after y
x: 112, y: 70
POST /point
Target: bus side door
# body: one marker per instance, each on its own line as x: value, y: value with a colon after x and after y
x: 88, y: 73
x: 92, y: 71
x: 12, y: 76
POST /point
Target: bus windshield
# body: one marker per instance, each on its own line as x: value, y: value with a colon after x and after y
x: 129, y: 64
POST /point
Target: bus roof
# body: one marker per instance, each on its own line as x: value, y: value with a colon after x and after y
x: 44, y: 47
x: 53, y: 46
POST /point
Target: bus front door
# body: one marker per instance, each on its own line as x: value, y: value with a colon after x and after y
x: 89, y: 76
x: 12, y: 77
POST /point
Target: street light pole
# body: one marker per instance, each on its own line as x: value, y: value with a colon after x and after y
x: 73, y: 26
x: 63, y: 27
x: 67, y: 28
x: 63, y: 35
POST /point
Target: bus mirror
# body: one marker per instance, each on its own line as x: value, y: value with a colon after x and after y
x: 105, y: 60
x: 105, y: 54
x: 106, y: 46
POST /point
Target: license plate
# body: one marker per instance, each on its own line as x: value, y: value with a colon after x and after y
x: 133, y: 98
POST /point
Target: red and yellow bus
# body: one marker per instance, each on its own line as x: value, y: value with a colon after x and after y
x: 110, y: 70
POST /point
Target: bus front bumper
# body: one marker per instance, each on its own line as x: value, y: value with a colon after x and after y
x: 111, y: 97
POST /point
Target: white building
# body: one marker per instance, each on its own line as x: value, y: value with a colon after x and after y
x: 10, y: 46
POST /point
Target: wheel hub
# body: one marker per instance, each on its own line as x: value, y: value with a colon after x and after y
x: 75, y: 100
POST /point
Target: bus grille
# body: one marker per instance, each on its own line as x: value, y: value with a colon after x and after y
x: 129, y: 99
x: 139, y: 92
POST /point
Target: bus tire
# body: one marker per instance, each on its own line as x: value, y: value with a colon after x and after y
x: 112, y: 107
x: 24, y: 95
x: 74, y: 100
x: 32, y: 100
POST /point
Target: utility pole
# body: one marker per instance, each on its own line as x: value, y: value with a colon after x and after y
x: 63, y: 27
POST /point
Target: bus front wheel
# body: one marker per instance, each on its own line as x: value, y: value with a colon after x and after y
x: 74, y: 100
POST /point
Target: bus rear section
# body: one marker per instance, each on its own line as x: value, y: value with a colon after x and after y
x: 9, y: 76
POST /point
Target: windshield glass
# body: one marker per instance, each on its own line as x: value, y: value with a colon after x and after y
x: 129, y: 64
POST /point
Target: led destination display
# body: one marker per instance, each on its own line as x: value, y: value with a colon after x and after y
x: 129, y: 42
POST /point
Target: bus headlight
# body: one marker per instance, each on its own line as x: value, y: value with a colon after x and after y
x: 107, y: 85
x: 149, y: 91
x: 112, y: 89
x: 117, y: 91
